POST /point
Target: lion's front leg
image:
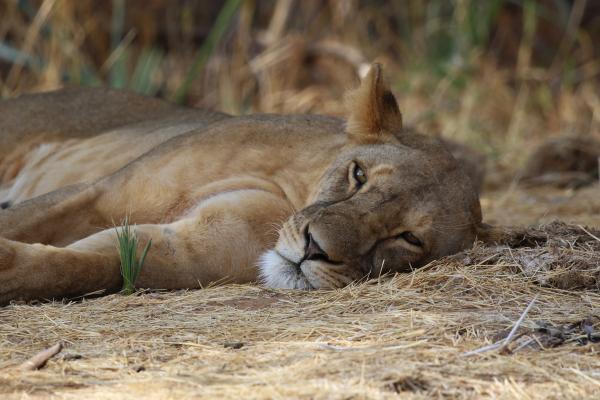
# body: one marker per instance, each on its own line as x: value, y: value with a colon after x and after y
x: 36, y: 271
x: 220, y: 240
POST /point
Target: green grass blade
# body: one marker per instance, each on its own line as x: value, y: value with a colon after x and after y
x: 145, y: 253
x: 142, y: 80
x: 127, y: 242
x: 221, y: 24
x: 142, y: 259
x: 118, y: 71
x: 16, y: 56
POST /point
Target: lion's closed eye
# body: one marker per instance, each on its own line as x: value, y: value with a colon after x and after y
x: 411, y: 239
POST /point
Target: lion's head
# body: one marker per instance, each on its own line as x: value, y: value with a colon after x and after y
x: 391, y: 201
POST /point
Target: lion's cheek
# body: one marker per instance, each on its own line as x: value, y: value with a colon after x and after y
x: 324, y: 275
x: 396, y: 259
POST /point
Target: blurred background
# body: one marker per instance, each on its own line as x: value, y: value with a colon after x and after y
x: 499, y: 75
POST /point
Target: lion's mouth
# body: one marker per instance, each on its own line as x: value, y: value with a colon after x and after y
x: 318, y: 272
x: 300, y: 264
x: 295, y: 265
x: 278, y: 271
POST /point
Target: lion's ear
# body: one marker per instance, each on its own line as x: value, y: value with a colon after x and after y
x: 372, y: 108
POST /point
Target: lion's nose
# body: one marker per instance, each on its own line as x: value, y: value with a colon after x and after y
x: 313, y: 250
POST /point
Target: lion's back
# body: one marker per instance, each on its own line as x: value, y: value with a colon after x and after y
x: 80, y: 134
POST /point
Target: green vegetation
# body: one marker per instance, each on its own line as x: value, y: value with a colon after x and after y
x: 206, y: 49
x: 130, y: 264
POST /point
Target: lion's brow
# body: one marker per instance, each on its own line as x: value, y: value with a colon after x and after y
x: 382, y: 169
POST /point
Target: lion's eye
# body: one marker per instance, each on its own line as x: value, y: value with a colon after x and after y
x: 359, y: 175
x: 411, y: 238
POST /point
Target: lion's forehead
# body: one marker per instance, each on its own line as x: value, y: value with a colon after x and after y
x: 388, y: 159
x: 416, y: 202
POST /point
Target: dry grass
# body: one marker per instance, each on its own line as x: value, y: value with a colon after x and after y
x: 515, y: 205
x: 406, y: 334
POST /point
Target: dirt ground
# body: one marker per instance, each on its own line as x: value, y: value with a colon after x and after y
x: 407, y: 336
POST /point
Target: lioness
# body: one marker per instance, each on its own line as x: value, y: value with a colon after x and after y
x: 296, y: 201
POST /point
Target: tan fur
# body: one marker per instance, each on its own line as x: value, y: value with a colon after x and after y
x: 222, y: 197
x: 373, y: 108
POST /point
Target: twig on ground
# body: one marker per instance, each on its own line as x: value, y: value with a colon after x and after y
x: 519, y: 322
x: 501, y: 344
x: 39, y: 360
x: 589, y: 233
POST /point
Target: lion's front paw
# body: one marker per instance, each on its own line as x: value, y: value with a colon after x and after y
x: 7, y: 254
x: 8, y: 280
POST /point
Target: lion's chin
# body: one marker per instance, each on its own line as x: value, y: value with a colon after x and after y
x: 277, y: 272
